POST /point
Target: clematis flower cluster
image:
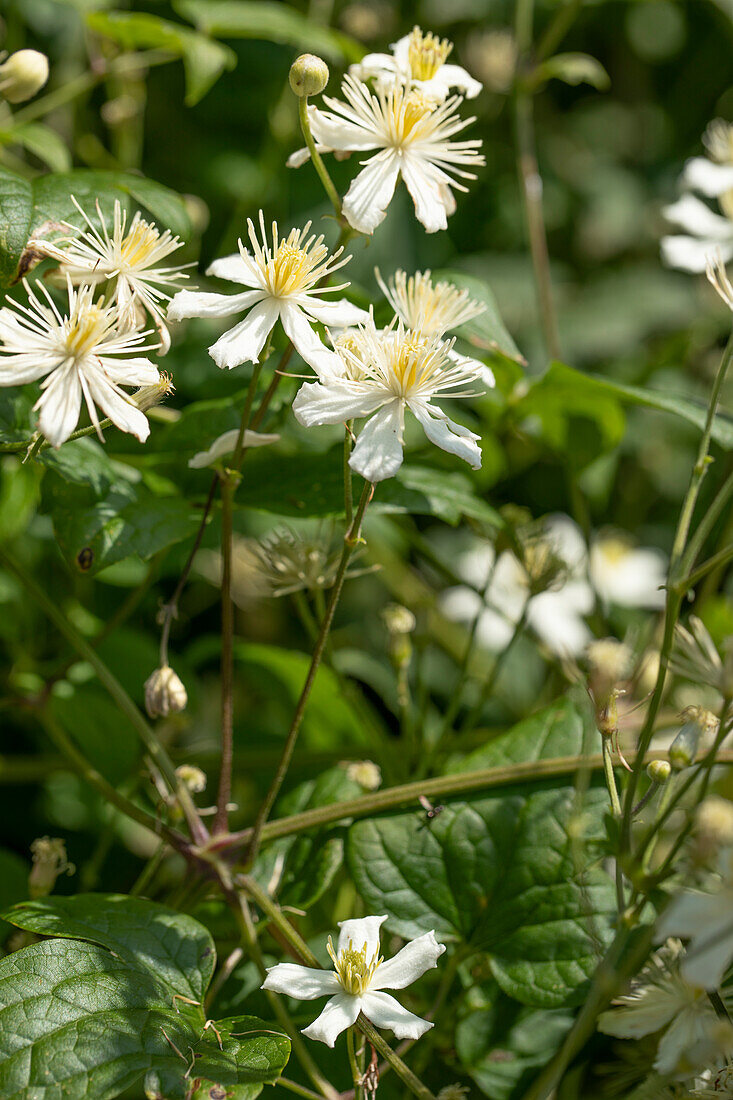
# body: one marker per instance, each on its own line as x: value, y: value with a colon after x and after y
x: 400, y: 109
x: 703, y: 232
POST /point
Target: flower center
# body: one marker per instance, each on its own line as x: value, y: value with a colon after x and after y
x: 85, y: 328
x: 410, y: 363
x: 426, y: 54
x: 353, y: 970
x: 614, y: 550
x: 138, y: 245
x: 290, y: 269
x: 414, y: 109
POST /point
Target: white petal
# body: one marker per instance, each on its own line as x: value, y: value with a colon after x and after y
x: 461, y: 604
x: 360, y: 931
x: 130, y: 372
x: 226, y: 443
x: 710, y: 179
x: 495, y: 631
x: 196, y: 303
x: 706, y: 918
x: 331, y: 131
x: 307, y: 343
x: 446, y: 434
x: 59, y: 406
x: 302, y: 982
x: 409, y: 964
x: 453, y: 76
x: 317, y: 403
x: 20, y: 367
x: 374, y: 65
x: 339, y: 314
x: 126, y: 416
x: 366, y: 201
x: 554, y: 619
x: 386, y: 1012
x: 485, y: 374
x: 424, y: 184
x: 378, y: 451
x: 340, y: 1012
x: 244, y: 342
x: 237, y: 269
x: 693, y: 254
x: 692, y: 215
x: 299, y: 157
x: 638, y: 1018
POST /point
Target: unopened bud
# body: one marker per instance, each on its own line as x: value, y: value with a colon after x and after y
x: 308, y: 75
x: 364, y: 772
x: 398, y: 619
x: 659, y: 771
x: 148, y: 396
x: 164, y: 693
x: 608, y: 665
x: 714, y: 822
x: 49, y: 861
x: 192, y: 777
x: 22, y: 75
x: 683, y: 750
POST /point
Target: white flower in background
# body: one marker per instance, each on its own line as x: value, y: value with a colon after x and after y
x: 627, y: 575
x: 390, y: 372
x: 283, y: 285
x: 556, y: 615
x: 706, y: 920
x: 705, y: 233
x: 357, y: 981
x: 81, y: 356
x: 130, y: 258
x: 225, y: 445
x: 433, y: 308
x: 419, y: 60
x: 712, y: 1085
x: 662, y: 998
x: 411, y: 137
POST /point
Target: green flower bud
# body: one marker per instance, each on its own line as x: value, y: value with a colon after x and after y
x: 308, y: 75
x: 164, y: 693
x: 659, y: 771
x: 192, y: 777
x: 22, y: 75
x: 683, y: 750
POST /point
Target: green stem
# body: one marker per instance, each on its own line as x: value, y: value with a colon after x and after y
x: 112, y: 685
x: 148, y: 872
x: 274, y: 914
x: 558, y: 28
x: 351, y: 540
x: 348, y: 491
x: 413, y: 1083
x: 299, y: 1090
x: 355, y: 1074
x: 170, y: 611
x: 721, y: 558
x: 318, y: 164
x: 610, y: 777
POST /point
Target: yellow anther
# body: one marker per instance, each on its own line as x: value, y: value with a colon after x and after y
x: 139, y: 244
x: 353, y: 970
x: 426, y: 54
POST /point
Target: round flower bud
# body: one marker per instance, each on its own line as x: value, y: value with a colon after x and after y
x: 164, y: 693
x: 683, y: 750
x: 659, y: 771
x: 308, y: 75
x: 364, y: 772
x: 714, y: 822
x: 22, y: 75
x: 192, y: 777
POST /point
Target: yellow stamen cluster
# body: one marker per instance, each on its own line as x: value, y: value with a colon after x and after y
x: 426, y: 54
x: 413, y: 108
x: 87, y: 327
x: 412, y: 362
x: 352, y: 969
x: 293, y: 265
x: 614, y: 550
x: 434, y: 308
x: 139, y: 244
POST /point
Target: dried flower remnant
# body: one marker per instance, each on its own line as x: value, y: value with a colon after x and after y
x: 193, y: 777
x: 164, y: 693
x: 49, y: 862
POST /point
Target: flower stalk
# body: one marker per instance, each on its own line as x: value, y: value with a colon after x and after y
x: 320, y: 167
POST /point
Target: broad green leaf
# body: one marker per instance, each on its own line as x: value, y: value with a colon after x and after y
x: 203, y: 60
x: 270, y: 21
x: 501, y: 873
x: 32, y: 206
x: 16, y: 415
x: 14, y: 873
x: 42, y: 141
x: 125, y: 1003
x: 487, y: 330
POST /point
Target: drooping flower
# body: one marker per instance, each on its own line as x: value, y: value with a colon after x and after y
x: 358, y: 980
x: 418, y: 60
x: 624, y: 574
x: 705, y: 920
x: 391, y: 371
x: 224, y: 445
x: 130, y: 258
x: 283, y: 284
x: 705, y: 232
x: 433, y: 308
x: 83, y: 355
x: 411, y: 137
x: 662, y: 998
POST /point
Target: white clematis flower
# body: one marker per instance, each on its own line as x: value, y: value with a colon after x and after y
x: 384, y: 372
x: 411, y: 137
x: 707, y: 921
x: 282, y: 283
x: 627, y: 575
x: 225, y: 444
x: 357, y: 981
x: 705, y: 233
x: 129, y: 258
x: 662, y: 998
x: 83, y: 355
x: 433, y: 308
x: 419, y: 60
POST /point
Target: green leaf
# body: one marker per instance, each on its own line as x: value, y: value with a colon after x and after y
x: 42, y: 141
x: 487, y: 330
x: 125, y: 1003
x: 574, y: 68
x: 500, y: 872
x: 272, y: 22
x: 203, y: 60
x: 26, y: 206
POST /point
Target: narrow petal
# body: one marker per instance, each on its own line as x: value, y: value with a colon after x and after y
x: 693, y: 253
x: 453, y: 76
x: 306, y: 342
x: 302, y: 982
x: 299, y: 157
x: 693, y: 216
x: 378, y: 451
x: 244, y: 342
x: 339, y: 314
x: 118, y: 407
x: 424, y: 184
x: 226, y: 443
x: 446, y: 434
x: 360, y: 931
x: 317, y: 403
x: 236, y: 269
x: 366, y: 201
x: 484, y: 373
x: 340, y: 1012
x: 710, y: 179
x: 331, y: 131
x: 59, y: 406
x: 409, y: 964
x: 196, y: 303
x: 386, y: 1012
